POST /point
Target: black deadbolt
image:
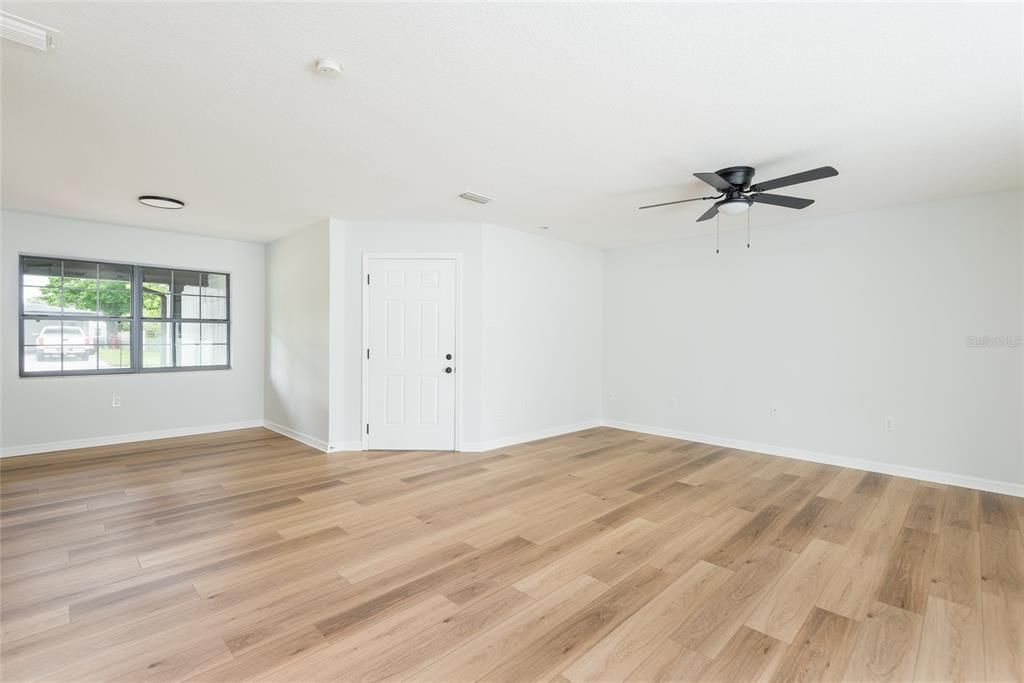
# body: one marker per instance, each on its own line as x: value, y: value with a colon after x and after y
x: 447, y: 356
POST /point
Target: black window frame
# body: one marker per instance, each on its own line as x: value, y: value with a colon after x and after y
x: 135, y: 319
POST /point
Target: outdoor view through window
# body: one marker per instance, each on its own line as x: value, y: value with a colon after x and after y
x: 87, y: 317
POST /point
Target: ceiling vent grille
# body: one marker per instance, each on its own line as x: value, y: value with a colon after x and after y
x: 28, y: 33
x: 478, y: 198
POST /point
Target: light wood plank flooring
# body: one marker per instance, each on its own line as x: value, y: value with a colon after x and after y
x: 598, y: 556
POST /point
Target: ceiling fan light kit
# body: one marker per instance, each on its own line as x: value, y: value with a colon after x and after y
x: 734, y: 207
x: 738, y: 192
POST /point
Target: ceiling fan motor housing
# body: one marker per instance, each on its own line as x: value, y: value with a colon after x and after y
x: 739, y: 176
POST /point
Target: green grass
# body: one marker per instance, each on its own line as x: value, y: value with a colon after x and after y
x: 116, y: 358
x: 122, y: 357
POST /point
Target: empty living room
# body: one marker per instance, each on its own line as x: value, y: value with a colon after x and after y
x: 582, y: 342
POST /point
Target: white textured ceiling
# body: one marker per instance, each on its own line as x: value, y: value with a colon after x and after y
x: 569, y: 115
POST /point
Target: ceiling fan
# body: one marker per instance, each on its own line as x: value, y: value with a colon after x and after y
x: 737, y: 193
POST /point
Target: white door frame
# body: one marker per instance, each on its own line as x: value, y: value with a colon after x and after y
x: 459, y: 365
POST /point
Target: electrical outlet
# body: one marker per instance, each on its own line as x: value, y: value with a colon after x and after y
x: 773, y: 410
x: 675, y: 403
x: 115, y: 402
x: 889, y: 424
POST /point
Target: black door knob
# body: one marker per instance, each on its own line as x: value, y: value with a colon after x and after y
x: 448, y: 371
x: 447, y: 356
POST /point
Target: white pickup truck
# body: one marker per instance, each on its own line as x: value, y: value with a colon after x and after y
x: 75, y: 343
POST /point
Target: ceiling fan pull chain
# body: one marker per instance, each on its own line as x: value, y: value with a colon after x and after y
x: 718, y: 224
x: 748, y: 228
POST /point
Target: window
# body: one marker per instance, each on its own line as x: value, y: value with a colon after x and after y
x: 184, y: 319
x: 87, y: 317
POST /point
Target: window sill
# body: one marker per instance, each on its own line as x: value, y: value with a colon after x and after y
x: 100, y: 373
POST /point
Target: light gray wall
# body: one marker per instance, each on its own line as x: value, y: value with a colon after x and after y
x: 839, y: 323
x: 53, y: 410
x: 297, y: 332
x: 542, y: 334
x: 531, y: 355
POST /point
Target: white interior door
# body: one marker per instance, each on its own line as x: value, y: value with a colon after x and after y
x: 412, y: 358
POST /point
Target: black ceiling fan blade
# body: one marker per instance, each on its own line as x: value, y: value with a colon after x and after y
x: 710, y: 213
x: 678, y: 201
x: 796, y: 179
x: 781, y: 200
x: 716, y: 181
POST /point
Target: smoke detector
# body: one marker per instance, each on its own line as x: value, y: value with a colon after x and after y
x: 28, y: 33
x: 327, y: 67
x: 478, y: 198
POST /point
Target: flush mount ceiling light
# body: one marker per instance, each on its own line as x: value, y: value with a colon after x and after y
x: 158, y: 202
x: 28, y: 33
x: 478, y: 198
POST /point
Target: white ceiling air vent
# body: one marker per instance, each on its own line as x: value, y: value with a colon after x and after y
x: 478, y: 198
x: 28, y: 33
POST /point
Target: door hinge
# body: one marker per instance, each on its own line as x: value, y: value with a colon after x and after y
x: 367, y: 278
x: 367, y: 428
x: 367, y: 354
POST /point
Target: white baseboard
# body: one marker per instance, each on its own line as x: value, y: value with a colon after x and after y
x: 934, y: 476
x: 346, y: 446
x: 493, y: 444
x: 29, y: 449
x: 311, y: 441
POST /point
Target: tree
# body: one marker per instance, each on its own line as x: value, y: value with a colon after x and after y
x: 113, y: 296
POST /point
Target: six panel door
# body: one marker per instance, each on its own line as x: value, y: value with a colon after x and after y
x: 412, y: 362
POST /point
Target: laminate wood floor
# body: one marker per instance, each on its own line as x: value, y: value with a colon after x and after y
x: 603, y: 555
